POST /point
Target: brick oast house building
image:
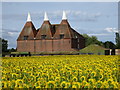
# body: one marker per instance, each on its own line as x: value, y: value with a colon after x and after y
x: 49, y: 37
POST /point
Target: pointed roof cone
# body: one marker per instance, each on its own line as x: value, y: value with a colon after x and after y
x: 46, y: 17
x: 64, y: 17
x: 28, y: 30
x: 45, y: 28
x: 29, y: 18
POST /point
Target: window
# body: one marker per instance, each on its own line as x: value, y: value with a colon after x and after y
x: 43, y: 36
x: 25, y: 37
x: 61, y: 36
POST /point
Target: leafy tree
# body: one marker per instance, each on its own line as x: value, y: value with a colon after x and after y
x: 117, y: 40
x: 110, y: 45
x: 3, y: 45
x: 91, y: 40
x: 12, y: 50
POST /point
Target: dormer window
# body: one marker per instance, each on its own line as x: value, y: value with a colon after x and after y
x: 43, y: 36
x: 61, y: 36
x: 25, y: 37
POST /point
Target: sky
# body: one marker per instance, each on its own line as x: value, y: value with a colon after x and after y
x: 99, y: 19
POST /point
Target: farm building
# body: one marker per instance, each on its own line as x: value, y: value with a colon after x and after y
x: 113, y: 52
x: 93, y: 49
x: 49, y: 37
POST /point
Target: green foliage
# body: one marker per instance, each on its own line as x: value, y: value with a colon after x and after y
x: 91, y: 40
x: 93, y: 48
x: 109, y: 44
x: 4, y: 44
x: 12, y: 50
x: 117, y: 40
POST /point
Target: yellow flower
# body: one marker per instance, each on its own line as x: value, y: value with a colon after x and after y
x: 57, y: 79
x: 74, y: 86
x: 87, y: 85
x: 50, y: 84
x: 83, y: 71
x: 93, y: 74
x: 77, y: 84
x: 75, y: 79
x: 63, y: 84
x: 83, y: 78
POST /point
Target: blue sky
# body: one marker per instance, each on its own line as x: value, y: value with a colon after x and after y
x: 93, y: 18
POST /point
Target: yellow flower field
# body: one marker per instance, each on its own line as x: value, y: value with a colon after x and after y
x: 66, y: 71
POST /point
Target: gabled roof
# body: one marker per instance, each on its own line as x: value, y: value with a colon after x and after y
x: 75, y: 34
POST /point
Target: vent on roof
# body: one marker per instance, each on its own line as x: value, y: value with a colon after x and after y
x: 43, y: 36
x: 61, y: 36
x: 25, y: 37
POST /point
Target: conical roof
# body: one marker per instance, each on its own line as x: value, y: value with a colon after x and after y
x: 64, y: 19
x: 65, y: 28
x: 45, y: 29
x: 28, y: 30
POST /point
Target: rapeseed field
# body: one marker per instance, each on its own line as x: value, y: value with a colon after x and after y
x: 66, y: 71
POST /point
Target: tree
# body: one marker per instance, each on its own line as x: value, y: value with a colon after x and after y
x: 110, y: 45
x: 91, y: 40
x: 12, y: 50
x: 4, y: 45
x: 117, y: 40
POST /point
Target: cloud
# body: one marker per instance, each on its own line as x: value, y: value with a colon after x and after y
x: 71, y: 14
x: 98, y: 34
x: 111, y: 29
x: 11, y: 30
x: 9, y: 33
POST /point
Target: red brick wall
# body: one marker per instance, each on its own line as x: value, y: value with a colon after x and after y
x: 43, y: 46
x: 25, y: 46
x: 55, y: 45
x: 62, y: 45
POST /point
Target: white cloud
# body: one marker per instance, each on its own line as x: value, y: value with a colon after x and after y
x: 111, y: 29
x: 98, y: 34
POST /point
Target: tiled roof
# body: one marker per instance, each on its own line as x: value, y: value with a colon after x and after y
x: 52, y: 31
x: 28, y: 30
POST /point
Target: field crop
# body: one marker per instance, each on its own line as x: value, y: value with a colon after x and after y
x: 66, y: 71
